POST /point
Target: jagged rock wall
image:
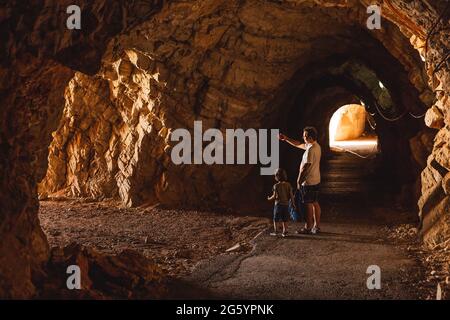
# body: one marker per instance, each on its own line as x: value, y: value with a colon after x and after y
x: 33, y: 43
x: 38, y: 57
x: 433, y: 44
x: 128, y: 275
x: 25, y: 121
x: 222, y: 62
x: 108, y: 134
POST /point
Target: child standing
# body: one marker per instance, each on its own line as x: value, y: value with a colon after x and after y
x: 282, y: 192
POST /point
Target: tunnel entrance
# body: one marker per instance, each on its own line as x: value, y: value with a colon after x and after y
x: 350, y: 168
x: 351, y: 130
x: 366, y: 126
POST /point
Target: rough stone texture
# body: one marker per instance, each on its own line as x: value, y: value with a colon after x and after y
x: 421, y: 146
x: 127, y: 275
x: 434, y: 118
x: 27, y: 120
x: 34, y: 38
x: 85, y: 132
x: 219, y: 61
x: 214, y: 62
x: 446, y: 183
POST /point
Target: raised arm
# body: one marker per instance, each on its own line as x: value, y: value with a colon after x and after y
x: 292, y: 142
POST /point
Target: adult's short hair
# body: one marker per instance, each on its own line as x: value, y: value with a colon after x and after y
x: 311, y: 132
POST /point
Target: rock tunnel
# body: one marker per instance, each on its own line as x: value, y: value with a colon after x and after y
x: 89, y: 113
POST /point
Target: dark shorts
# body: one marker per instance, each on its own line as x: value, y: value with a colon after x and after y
x: 309, y: 194
x: 280, y: 213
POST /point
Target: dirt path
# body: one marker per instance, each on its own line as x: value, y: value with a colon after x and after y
x: 174, y: 239
x: 359, y: 230
x: 192, y: 247
x: 331, y: 265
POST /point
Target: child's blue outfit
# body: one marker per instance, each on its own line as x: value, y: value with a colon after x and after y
x: 283, y: 191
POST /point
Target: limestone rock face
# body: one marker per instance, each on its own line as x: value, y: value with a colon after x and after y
x: 127, y: 275
x: 221, y: 62
x: 27, y: 118
x: 152, y: 66
x: 433, y: 204
x: 85, y: 132
x: 446, y: 184
x: 434, y: 118
x: 34, y: 42
x: 421, y: 146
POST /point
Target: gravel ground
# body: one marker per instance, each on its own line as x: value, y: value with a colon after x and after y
x: 174, y: 239
x: 192, y: 246
x: 330, y: 265
x: 435, y: 260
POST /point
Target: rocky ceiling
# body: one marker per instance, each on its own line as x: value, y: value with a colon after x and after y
x: 114, y: 90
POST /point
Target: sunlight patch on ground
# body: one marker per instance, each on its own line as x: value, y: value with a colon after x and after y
x: 364, y: 145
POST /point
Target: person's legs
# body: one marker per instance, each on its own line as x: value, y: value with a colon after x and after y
x: 274, y: 232
x: 309, y: 215
x: 317, y: 213
x: 275, y: 219
x: 285, y: 218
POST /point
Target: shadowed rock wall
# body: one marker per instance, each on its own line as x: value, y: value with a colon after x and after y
x: 218, y: 61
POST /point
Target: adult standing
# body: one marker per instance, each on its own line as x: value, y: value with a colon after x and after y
x: 308, y: 180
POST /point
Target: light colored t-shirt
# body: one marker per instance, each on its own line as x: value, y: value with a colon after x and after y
x: 312, y: 155
x: 283, y: 191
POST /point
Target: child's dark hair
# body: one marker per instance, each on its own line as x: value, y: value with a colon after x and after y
x: 280, y: 175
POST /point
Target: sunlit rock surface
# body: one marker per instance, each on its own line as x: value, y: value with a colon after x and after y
x: 222, y: 62
x: 149, y: 67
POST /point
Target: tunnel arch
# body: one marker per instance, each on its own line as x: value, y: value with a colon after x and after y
x: 342, y: 78
x: 244, y: 98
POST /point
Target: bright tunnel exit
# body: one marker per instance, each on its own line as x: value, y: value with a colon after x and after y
x: 351, y: 130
